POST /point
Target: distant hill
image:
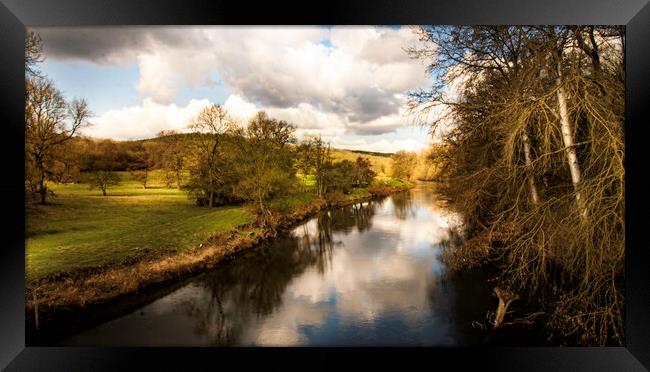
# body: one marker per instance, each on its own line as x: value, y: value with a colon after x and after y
x: 381, y: 162
x: 373, y: 153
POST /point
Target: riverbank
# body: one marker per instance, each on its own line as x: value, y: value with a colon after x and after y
x: 48, y: 296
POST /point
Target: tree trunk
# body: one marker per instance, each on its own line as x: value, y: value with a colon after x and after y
x: 567, y: 137
x: 505, y: 299
x: 595, y: 53
x: 263, y: 212
x: 531, y: 177
x: 43, y: 191
x: 40, y: 164
x: 104, y: 191
x: 36, y: 322
x: 41, y: 183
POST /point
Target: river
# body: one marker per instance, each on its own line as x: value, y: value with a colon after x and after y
x: 362, y: 275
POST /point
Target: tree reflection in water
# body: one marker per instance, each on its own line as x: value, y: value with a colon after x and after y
x: 252, y: 286
x: 403, y: 206
x: 358, y: 215
x: 366, y: 274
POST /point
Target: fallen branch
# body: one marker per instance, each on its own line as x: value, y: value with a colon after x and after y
x: 506, y: 297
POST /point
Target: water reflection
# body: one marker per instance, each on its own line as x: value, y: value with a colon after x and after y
x: 403, y: 206
x: 366, y: 274
x: 252, y: 287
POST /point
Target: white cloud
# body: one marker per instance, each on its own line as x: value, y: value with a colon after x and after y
x: 311, y: 121
x: 355, y: 86
x: 149, y: 118
x: 239, y: 107
x: 144, y: 120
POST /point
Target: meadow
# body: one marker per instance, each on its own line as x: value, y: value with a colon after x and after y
x: 380, y: 164
x: 81, y: 229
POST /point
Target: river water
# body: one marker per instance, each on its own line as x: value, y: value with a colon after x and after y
x: 363, y: 275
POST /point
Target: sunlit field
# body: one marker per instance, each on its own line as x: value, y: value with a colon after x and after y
x: 82, y: 229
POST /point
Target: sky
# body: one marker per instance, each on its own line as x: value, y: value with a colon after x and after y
x: 347, y: 84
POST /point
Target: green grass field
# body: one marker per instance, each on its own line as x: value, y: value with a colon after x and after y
x: 82, y: 228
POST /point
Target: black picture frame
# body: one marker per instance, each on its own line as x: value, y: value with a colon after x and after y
x: 16, y: 15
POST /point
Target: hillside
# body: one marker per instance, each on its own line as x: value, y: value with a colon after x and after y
x: 381, y: 162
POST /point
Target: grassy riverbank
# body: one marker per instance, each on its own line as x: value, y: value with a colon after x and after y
x: 81, y: 229
x: 85, y: 248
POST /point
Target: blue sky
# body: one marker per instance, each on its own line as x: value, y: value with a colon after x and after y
x: 348, y: 84
x: 104, y: 87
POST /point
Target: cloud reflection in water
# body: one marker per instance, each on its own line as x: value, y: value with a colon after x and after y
x: 366, y: 274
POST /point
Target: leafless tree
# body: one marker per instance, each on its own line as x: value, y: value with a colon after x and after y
x: 211, y: 123
x: 50, y: 121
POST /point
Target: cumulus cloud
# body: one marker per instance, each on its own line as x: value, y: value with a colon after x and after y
x: 239, y: 107
x: 105, y: 45
x: 144, y: 120
x: 312, y: 120
x: 354, y: 84
x: 151, y: 117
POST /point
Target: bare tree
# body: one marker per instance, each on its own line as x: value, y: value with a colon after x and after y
x: 50, y: 121
x: 404, y: 163
x: 173, y: 155
x: 211, y: 124
x: 33, y: 54
x: 265, y: 168
x: 315, y: 157
x: 140, y: 176
x: 103, y: 180
x: 533, y: 160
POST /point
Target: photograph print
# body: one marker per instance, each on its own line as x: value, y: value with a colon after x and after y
x: 415, y: 185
